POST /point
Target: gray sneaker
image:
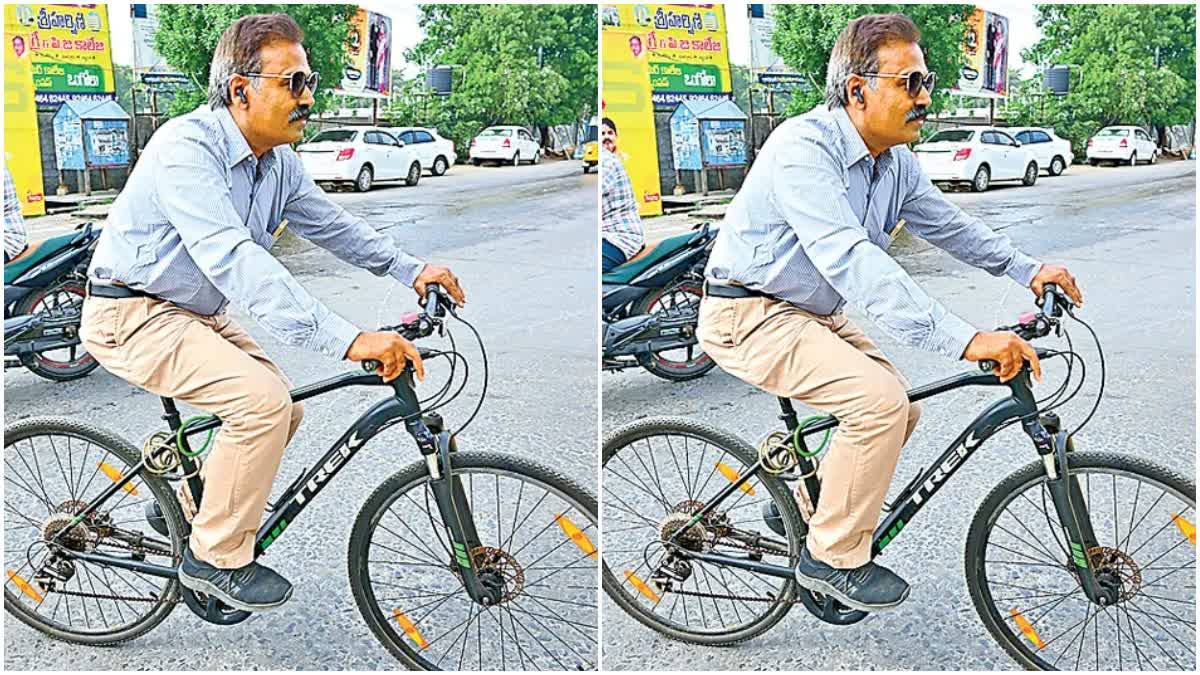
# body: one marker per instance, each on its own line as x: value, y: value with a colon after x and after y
x: 869, y: 588
x: 251, y: 588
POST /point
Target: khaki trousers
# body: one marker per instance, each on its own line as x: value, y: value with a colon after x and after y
x: 828, y: 363
x: 209, y: 362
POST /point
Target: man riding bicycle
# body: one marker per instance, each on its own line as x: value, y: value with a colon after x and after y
x: 806, y: 234
x: 190, y: 233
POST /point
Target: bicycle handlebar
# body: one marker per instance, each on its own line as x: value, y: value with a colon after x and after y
x: 415, y: 326
x: 1031, y: 326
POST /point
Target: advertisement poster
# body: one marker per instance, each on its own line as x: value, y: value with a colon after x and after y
x: 22, y: 154
x: 628, y: 103
x: 368, y: 70
x: 69, y: 47
x: 986, y: 47
x: 724, y: 142
x: 107, y: 142
x: 685, y: 47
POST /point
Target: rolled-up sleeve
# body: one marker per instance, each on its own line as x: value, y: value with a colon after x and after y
x: 191, y: 190
x: 933, y: 218
x: 313, y: 216
x: 809, y: 191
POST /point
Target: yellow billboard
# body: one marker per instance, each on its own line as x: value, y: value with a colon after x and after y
x: 685, y: 46
x: 69, y: 48
x: 22, y: 154
x: 626, y: 100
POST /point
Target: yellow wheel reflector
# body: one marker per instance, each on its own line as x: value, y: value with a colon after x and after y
x: 733, y: 476
x: 410, y: 629
x: 115, y: 476
x: 1188, y: 529
x: 642, y: 587
x: 1027, y: 628
x: 25, y: 587
x: 576, y: 535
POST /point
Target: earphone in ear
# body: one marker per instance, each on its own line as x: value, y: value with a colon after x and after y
x: 241, y: 93
x: 858, y: 95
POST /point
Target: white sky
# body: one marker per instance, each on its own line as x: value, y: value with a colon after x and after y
x: 1022, y: 17
x: 405, y: 31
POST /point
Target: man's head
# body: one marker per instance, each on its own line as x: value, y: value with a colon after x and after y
x: 635, y: 46
x: 867, y: 75
x: 608, y: 134
x: 18, y: 44
x: 249, y: 56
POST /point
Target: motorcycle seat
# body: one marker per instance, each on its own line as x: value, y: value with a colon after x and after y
x: 648, y: 256
x: 35, y: 253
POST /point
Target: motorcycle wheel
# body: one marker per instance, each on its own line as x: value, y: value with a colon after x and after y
x: 69, y: 363
x: 677, y: 365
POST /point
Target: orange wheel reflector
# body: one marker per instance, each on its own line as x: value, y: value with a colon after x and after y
x: 115, y: 476
x: 576, y: 535
x: 1185, y: 526
x: 642, y: 587
x: 1027, y: 628
x: 733, y: 477
x: 25, y: 586
x: 410, y: 629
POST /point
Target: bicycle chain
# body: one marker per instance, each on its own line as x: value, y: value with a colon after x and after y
x: 729, y: 596
x: 107, y: 596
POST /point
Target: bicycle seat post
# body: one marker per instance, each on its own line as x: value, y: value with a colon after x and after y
x: 171, y: 413
x: 788, y: 414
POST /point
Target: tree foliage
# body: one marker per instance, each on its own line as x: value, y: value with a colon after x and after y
x: 188, y: 34
x: 804, y: 37
x: 532, y: 65
x: 1131, y: 64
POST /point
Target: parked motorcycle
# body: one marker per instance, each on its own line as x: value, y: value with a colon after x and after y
x: 651, y: 306
x: 44, y: 289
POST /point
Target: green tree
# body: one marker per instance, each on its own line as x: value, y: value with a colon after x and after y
x: 534, y: 65
x: 804, y: 37
x: 1131, y: 64
x: 188, y: 34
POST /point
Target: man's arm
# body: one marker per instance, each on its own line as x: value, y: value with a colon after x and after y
x: 809, y: 192
x: 933, y: 218
x: 313, y: 216
x: 191, y: 192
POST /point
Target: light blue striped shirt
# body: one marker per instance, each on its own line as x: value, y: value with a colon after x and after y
x: 816, y: 214
x: 199, y: 214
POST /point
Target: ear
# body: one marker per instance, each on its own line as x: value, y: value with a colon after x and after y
x: 238, y: 84
x: 854, y: 91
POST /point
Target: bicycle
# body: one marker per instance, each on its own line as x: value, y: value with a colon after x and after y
x: 455, y: 548
x: 1050, y: 557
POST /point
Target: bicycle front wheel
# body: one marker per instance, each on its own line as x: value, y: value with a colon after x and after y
x: 539, y: 534
x: 1023, y: 582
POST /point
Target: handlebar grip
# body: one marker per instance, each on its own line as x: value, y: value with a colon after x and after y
x: 1049, y: 300
x: 433, y: 296
x: 988, y: 365
x: 371, y: 365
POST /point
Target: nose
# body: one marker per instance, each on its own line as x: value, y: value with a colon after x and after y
x: 306, y: 98
x: 924, y: 98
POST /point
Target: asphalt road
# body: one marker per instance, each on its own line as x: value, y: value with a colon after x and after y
x: 523, y: 242
x: 1128, y: 234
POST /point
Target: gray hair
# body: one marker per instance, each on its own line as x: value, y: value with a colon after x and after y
x: 239, y: 51
x: 856, y: 51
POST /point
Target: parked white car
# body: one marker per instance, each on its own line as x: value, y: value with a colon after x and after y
x: 505, y: 144
x: 1126, y: 144
x: 1053, y: 154
x: 435, y: 153
x: 976, y: 155
x: 359, y: 155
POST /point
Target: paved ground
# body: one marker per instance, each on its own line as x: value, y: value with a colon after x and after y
x: 1129, y: 236
x: 523, y: 241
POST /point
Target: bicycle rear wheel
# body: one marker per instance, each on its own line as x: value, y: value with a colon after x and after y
x: 539, y: 533
x: 658, y: 473
x: 54, y: 467
x: 1023, y: 582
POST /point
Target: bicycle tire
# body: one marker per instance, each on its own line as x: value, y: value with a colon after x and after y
x: 163, y: 493
x: 1006, y: 491
x: 779, y: 491
x: 412, y: 476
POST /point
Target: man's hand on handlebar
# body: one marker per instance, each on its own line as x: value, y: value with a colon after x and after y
x: 390, y: 350
x: 1007, y: 350
x: 1059, y: 276
x: 442, y: 276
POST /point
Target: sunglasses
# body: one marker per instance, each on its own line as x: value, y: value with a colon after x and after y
x: 297, y: 81
x: 914, y: 81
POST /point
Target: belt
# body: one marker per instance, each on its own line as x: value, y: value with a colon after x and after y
x: 717, y: 290
x: 114, y: 291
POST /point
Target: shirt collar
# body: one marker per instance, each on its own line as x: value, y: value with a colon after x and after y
x: 855, y: 147
x: 239, y: 150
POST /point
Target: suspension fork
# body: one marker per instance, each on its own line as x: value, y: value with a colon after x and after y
x: 437, y: 447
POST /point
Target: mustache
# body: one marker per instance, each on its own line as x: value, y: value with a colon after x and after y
x: 299, y: 113
x: 919, y: 112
